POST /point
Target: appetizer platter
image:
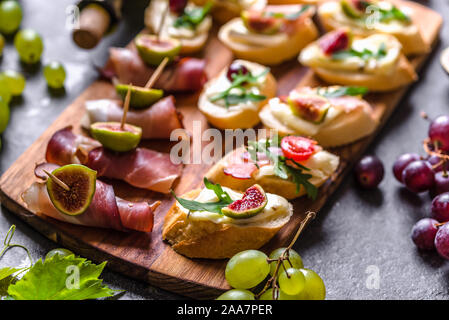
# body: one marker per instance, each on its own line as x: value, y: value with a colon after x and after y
x: 110, y: 151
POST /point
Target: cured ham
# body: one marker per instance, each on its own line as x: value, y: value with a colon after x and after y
x: 105, y: 211
x: 157, y: 122
x: 141, y: 167
x: 185, y: 74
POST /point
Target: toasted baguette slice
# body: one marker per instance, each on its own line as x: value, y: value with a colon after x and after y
x: 325, y: 165
x: 355, y: 121
x: 224, y: 10
x: 205, y: 238
x: 293, y: 1
x: 236, y: 117
x: 189, y: 44
x: 271, y: 53
x: 332, y: 17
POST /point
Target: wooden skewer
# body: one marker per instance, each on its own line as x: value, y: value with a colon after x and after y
x: 156, y: 74
x: 161, y: 23
x: 126, y: 107
x: 57, y: 181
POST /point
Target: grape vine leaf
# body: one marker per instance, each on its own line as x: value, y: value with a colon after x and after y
x: 61, y: 278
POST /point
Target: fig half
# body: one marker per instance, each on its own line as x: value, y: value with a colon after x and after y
x: 253, y: 202
x: 112, y: 136
x: 81, y: 183
x: 352, y: 9
x: 140, y: 97
x: 309, y: 107
x: 153, y: 50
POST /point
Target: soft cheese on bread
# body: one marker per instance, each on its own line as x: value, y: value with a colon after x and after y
x: 192, y: 37
x: 242, y: 113
x: 369, y: 17
x: 205, y: 234
x: 375, y: 62
x: 346, y: 118
x: 224, y: 10
x: 270, y: 36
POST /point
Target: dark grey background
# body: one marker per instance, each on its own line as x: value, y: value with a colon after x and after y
x: 356, y: 232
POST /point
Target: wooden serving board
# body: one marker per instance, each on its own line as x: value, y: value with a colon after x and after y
x: 144, y: 255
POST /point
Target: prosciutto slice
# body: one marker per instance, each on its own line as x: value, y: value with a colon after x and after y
x: 185, y: 74
x: 141, y: 167
x: 105, y: 211
x: 157, y: 122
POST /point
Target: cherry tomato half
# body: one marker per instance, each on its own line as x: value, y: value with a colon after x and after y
x: 298, y: 148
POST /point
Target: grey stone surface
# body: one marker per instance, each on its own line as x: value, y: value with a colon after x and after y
x: 357, y: 233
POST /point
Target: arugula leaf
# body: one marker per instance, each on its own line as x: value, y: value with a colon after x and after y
x: 342, y: 91
x: 239, y: 81
x: 288, y: 16
x: 192, y: 205
x: 365, y: 54
x: 192, y: 18
x: 49, y: 279
x: 393, y: 14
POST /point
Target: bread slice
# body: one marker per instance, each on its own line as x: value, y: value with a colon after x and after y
x: 331, y: 17
x: 270, y: 54
x: 189, y: 45
x: 293, y: 1
x: 350, y: 125
x: 270, y: 183
x: 241, y: 118
x: 224, y: 10
x: 202, y: 238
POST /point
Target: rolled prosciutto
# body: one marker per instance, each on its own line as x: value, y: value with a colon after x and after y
x: 186, y: 74
x: 105, y: 211
x: 157, y: 122
x: 141, y: 167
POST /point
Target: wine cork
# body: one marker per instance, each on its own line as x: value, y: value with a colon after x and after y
x: 94, y: 22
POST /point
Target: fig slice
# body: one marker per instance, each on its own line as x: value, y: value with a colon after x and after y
x: 153, y: 50
x: 112, y: 136
x: 140, y: 97
x: 253, y: 202
x: 81, y: 183
x: 259, y: 22
x: 312, y: 108
x: 353, y: 9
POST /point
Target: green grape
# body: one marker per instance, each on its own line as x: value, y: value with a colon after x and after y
x: 62, y: 252
x: 10, y: 16
x: 237, y: 294
x: 268, y: 295
x: 29, y: 45
x: 247, y: 269
x: 314, y: 288
x: 293, y: 283
x: 294, y: 258
x: 5, y: 95
x: 2, y: 44
x: 14, y: 81
x: 4, y: 115
x: 54, y: 73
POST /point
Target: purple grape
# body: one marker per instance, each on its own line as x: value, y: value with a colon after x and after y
x: 441, y: 183
x: 440, y: 207
x: 442, y: 241
x: 418, y: 176
x: 434, y: 160
x: 402, y: 162
x: 424, y: 232
x: 369, y: 172
x: 236, y: 68
x: 439, y: 132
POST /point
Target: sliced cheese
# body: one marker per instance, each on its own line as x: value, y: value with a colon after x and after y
x: 239, y: 33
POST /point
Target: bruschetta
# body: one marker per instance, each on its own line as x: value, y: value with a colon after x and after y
x: 375, y: 62
x: 224, y: 10
x: 191, y: 26
x: 233, y: 99
x: 272, y: 35
x: 211, y: 223
x: 290, y: 167
x: 333, y: 116
x: 370, y: 17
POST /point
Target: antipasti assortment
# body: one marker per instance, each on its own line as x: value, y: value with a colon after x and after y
x: 248, y: 195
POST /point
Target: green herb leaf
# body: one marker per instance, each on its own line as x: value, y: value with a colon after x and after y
x: 218, y: 190
x: 193, y: 205
x: 393, y: 14
x: 365, y: 54
x: 288, y: 16
x: 192, y: 18
x: 342, y: 91
x: 56, y: 279
x: 233, y: 99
